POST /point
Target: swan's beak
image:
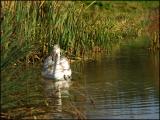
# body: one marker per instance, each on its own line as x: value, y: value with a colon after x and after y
x: 53, y: 56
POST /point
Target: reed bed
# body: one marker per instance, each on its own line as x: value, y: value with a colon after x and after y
x: 31, y: 28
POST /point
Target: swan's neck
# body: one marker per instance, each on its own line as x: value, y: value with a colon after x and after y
x: 57, y: 60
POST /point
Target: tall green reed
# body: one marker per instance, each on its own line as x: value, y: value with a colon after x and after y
x: 33, y: 27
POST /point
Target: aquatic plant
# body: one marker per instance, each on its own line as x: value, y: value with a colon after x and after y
x: 29, y: 29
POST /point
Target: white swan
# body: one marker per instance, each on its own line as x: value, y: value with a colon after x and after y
x: 56, y: 67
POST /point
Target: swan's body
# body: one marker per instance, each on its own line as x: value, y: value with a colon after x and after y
x: 56, y: 67
x: 67, y: 70
x: 48, y: 67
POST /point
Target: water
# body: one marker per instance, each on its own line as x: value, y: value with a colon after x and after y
x: 123, y: 85
x: 114, y: 86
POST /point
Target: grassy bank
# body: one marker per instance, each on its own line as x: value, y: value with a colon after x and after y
x: 29, y: 29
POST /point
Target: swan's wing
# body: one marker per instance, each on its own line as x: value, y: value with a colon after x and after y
x: 47, y: 70
x: 64, y: 62
x: 48, y: 62
x: 58, y: 72
x: 66, y: 68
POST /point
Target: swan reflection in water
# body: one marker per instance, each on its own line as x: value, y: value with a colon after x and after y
x: 54, y: 92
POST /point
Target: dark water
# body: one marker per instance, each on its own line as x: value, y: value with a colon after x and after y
x: 122, y: 85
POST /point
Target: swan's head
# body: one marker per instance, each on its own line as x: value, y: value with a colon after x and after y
x: 56, y: 51
x: 56, y: 46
